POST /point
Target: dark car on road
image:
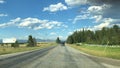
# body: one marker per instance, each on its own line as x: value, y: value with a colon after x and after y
x: 62, y: 43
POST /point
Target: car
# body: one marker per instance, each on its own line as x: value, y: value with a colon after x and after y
x: 62, y: 43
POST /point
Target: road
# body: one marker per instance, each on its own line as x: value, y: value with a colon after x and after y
x: 53, y: 57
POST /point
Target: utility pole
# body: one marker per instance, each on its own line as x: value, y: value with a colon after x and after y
x: 106, y: 47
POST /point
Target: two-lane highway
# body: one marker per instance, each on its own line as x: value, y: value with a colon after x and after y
x: 54, y: 57
x: 64, y: 57
x: 18, y: 61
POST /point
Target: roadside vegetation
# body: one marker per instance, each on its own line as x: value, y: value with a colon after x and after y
x: 7, y: 49
x: 106, y: 40
x: 110, y: 36
x: 102, y: 51
x: 32, y: 44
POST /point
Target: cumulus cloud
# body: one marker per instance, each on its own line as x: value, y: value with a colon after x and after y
x: 29, y: 22
x: 112, y: 7
x: 109, y: 8
x: 104, y: 12
x: 80, y: 17
x: 56, y: 7
x: 37, y: 24
x: 69, y: 33
x: 2, y: 1
x: 107, y: 22
x: 98, y: 9
x: 100, y: 26
x: 11, y: 22
x: 52, y: 33
x: 75, y: 2
x: 97, y: 18
x: 91, y: 2
x: 33, y: 23
x: 3, y: 15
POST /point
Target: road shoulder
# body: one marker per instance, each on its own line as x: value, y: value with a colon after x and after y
x: 104, y: 61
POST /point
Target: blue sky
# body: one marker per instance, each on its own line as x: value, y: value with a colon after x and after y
x: 48, y: 19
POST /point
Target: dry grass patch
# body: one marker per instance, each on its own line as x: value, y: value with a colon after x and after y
x: 9, y: 49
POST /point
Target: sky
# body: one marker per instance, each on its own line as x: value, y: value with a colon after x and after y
x: 49, y: 19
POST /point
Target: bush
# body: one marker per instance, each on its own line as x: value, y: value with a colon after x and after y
x: 15, y: 45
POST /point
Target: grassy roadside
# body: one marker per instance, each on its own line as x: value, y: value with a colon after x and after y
x: 8, y: 49
x: 109, y: 52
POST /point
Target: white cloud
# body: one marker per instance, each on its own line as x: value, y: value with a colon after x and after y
x: 36, y: 24
x: 75, y: 2
x: 69, y: 33
x: 16, y: 20
x: 11, y: 22
x: 98, y: 18
x: 32, y: 23
x: 2, y: 1
x: 92, y: 12
x: 29, y: 22
x: 107, y: 22
x: 55, y: 7
x: 80, y: 17
x: 98, y: 9
x: 100, y: 26
x: 107, y: 8
x: 65, y: 26
x: 52, y: 33
x: 95, y: 8
x: 3, y: 15
x: 62, y: 37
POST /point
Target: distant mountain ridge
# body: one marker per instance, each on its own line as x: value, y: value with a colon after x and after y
x: 25, y: 41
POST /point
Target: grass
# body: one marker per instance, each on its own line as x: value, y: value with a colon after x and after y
x: 109, y: 52
x: 7, y: 49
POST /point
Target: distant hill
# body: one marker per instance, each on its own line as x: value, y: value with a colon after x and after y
x: 38, y: 40
x: 22, y: 41
x: 41, y: 40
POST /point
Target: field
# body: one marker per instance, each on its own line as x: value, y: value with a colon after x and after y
x: 102, y: 51
x: 6, y: 49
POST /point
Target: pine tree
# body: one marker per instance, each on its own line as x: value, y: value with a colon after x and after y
x: 58, y: 40
x: 103, y: 36
x: 70, y: 40
x: 30, y: 41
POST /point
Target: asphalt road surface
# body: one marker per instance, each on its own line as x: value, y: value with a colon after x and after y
x: 53, y: 57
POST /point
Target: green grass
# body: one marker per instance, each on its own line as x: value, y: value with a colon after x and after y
x: 109, y: 52
x: 7, y: 49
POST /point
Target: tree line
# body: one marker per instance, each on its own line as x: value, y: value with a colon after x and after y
x: 110, y: 36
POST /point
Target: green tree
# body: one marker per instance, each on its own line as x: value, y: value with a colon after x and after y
x: 35, y: 42
x: 103, y: 36
x: 58, y: 40
x: 75, y: 37
x: 70, y: 40
x: 30, y: 41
